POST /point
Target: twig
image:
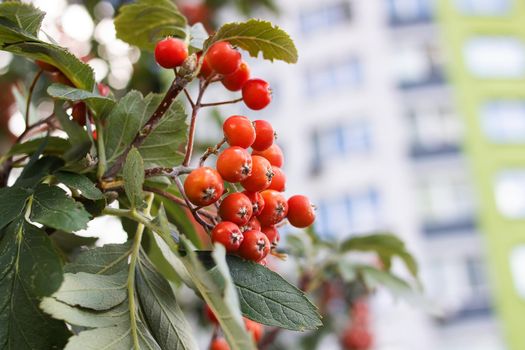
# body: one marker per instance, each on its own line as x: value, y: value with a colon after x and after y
x: 221, y: 103
x: 188, y: 96
x: 185, y: 76
x: 30, y: 94
x: 172, y: 172
x: 210, y: 151
x: 190, y: 206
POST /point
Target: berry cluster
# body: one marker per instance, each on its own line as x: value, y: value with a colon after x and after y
x: 221, y: 61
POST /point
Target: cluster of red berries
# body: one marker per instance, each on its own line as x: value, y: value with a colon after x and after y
x: 219, y: 343
x: 221, y: 60
x: 249, y: 218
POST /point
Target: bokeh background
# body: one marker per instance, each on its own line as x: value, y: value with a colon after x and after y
x: 404, y: 116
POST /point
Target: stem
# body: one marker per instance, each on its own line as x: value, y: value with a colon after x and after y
x: 191, y: 133
x: 185, y: 76
x: 30, y: 94
x: 194, y: 211
x: 221, y: 103
x: 210, y: 151
x: 188, y: 96
x: 131, y: 275
x: 172, y: 172
x: 101, y: 149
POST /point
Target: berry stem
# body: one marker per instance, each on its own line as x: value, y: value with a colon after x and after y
x: 194, y: 210
x: 221, y: 103
x: 210, y: 151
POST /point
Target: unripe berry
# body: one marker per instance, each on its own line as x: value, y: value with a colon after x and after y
x: 256, y: 94
x: 300, y: 211
x: 234, y: 164
x: 171, y: 52
x: 239, y: 131
x: 264, y: 135
x: 203, y: 186
x: 223, y: 58
x: 237, y: 208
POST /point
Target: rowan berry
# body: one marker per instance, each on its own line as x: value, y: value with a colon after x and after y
x: 239, y: 131
x: 257, y: 202
x: 234, y: 164
x: 255, y: 246
x: 273, y: 235
x: 264, y: 135
x: 274, y: 154
x: 275, y: 208
x: 223, y: 58
x: 237, y: 208
x: 236, y: 80
x: 219, y: 344
x: 300, y: 211
x: 278, y: 180
x: 261, y: 176
x: 256, y: 329
x: 171, y: 52
x: 228, y: 234
x: 203, y: 186
x: 256, y: 94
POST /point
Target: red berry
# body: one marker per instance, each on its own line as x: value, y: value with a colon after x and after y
x: 234, y: 164
x: 357, y: 338
x: 274, y: 154
x: 255, y: 246
x: 95, y: 135
x: 275, y: 208
x: 300, y: 211
x: 210, y: 315
x: 253, y: 224
x: 228, y: 234
x: 261, y: 175
x: 103, y: 89
x: 272, y: 234
x: 79, y: 112
x: 219, y: 344
x: 256, y: 94
x: 171, y: 52
x: 223, y: 58
x: 239, y: 131
x: 237, y: 208
x: 206, y: 70
x: 257, y: 202
x: 278, y: 180
x: 203, y: 186
x: 256, y: 329
x: 264, y: 135
x: 236, y: 80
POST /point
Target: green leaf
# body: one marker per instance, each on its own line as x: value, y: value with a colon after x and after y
x: 68, y: 242
x: 97, y: 292
x: 55, y: 146
x: 134, y: 178
x: 269, y: 299
x: 106, y: 260
x: 12, y: 202
x: 100, y: 105
x: 76, y: 133
x: 257, y: 36
x: 145, y: 22
x: 52, y: 207
x: 35, y: 172
x: 30, y: 269
x: 161, y: 311
x: 386, y: 246
x: 79, y: 182
x: 198, y: 36
x: 19, y: 24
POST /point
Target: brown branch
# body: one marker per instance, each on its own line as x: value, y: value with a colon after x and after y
x: 182, y: 79
x: 172, y: 172
x: 210, y: 151
x: 221, y: 103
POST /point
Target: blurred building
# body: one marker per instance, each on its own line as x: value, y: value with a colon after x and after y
x: 371, y: 129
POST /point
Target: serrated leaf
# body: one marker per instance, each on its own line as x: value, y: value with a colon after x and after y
x: 106, y: 260
x: 269, y: 299
x: 52, y: 207
x: 55, y: 146
x: 12, y: 202
x: 36, y: 170
x: 145, y: 22
x: 100, y: 105
x: 68, y: 242
x: 97, y: 292
x: 133, y: 173
x: 30, y: 269
x: 19, y: 24
x: 79, y: 182
x: 160, y: 309
x: 257, y: 36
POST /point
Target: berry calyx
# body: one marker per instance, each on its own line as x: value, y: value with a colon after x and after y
x: 273, y: 235
x: 171, y: 52
x: 275, y: 208
x: 279, y: 180
x: 223, y: 58
x: 257, y: 202
x: 234, y: 164
x: 228, y: 234
x: 261, y: 176
x: 264, y: 135
x: 219, y: 344
x: 203, y: 186
x: 256, y: 94
x: 300, y: 211
x: 239, y: 131
x: 256, y: 329
x: 236, y: 208
x: 236, y: 80
x: 274, y: 154
x: 255, y: 246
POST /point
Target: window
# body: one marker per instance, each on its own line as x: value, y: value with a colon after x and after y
x: 504, y: 121
x: 333, y: 77
x: 483, y: 7
x: 409, y: 11
x: 325, y: 16
x: 435, y: 129
x: 351, y: 213
x: 510, y: 193
x: 340, y: 140
x: 416, y: 65
x: 495, y: 57
x: 517, y: 267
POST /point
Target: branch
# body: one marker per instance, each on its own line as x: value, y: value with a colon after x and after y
x: 171, y: 172
x: 191, y: 133
x: 221, y: 103
x: 182, y: 79
x: 210, y: 151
